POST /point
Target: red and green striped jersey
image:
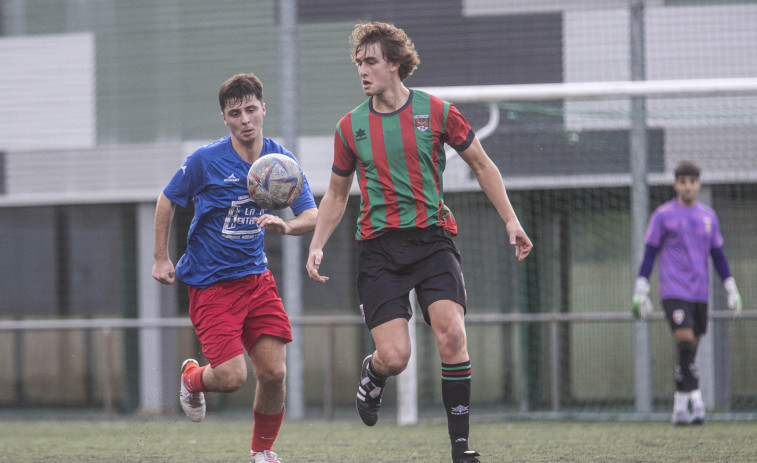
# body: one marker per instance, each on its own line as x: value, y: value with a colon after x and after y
x: 399, y: 158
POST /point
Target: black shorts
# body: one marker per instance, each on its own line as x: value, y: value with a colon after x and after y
x: 392, y: 264
x: 686, y: 314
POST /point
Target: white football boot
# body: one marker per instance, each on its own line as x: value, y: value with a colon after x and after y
x: 681, y: 415
x: 698, y: 411
x: 266, y: 456
x: 193, y: 404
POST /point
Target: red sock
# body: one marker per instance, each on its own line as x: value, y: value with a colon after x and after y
x: 265, y: 430
x: 192, y: 378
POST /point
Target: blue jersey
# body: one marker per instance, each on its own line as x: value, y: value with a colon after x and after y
x: 223, y: 242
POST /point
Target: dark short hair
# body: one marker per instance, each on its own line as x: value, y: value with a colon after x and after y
x: 394, y: 42
x: 239, y: 87
x: 688, y: 169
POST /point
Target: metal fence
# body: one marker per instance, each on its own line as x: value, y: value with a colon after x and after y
x: 104, y: 383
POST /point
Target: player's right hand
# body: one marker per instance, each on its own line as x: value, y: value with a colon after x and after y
x: 314, y: 262
x: 641, y: 306
x: 164, y: 272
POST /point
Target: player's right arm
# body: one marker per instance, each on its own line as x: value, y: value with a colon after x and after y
x: 641, y: 304
x: 163, y: 269
x: 330, y: 212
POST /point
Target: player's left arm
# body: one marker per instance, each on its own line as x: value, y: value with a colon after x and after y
x: 302, y: 223
x: 729, y: 283
x: 490, y: 179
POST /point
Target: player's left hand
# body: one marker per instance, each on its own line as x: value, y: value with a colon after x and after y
x: 519, y: 240
x: 272, y: 223
x: 734, y: 297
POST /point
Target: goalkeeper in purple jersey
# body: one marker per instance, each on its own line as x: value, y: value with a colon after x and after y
x: 685, y: 233
x: 394, y: 142
x: 234, y: 304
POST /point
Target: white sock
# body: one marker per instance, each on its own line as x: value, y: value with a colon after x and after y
x: 681, y: 401
x: 696, y: 398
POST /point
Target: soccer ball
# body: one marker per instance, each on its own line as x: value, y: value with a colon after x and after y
x: 275, y: 181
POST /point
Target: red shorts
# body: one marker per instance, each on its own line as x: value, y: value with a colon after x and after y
x: 230, y: 316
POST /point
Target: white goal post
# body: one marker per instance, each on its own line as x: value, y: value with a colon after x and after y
x: 556, y: 91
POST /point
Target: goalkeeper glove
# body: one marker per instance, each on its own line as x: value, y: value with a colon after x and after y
x: 734, y: 298
x: 642, y: 306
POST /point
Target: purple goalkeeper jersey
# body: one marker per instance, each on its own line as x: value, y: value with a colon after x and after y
x: 685, y: 237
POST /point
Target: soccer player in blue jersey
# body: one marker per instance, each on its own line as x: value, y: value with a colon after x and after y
x: 233, y: 301
x: 685, y: 233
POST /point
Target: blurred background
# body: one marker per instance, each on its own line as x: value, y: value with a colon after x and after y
x: 102, y: 100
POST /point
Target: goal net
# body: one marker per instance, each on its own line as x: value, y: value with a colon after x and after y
x: 565, y: 152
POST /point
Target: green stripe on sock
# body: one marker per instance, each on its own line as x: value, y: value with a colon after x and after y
x: 463, y: 367
x: 456, y: 378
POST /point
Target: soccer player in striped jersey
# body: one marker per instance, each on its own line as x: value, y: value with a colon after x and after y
x: 233, y: 300
x: 685, y: 233
x: 395, y: 142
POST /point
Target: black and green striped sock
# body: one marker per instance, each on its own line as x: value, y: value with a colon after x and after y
x: 456, y: 397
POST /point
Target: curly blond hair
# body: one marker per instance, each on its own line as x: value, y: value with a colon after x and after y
x: 394, y: 42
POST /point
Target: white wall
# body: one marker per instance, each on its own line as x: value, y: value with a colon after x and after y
x: 681, y: 43
x: 500, y: 7
x: 47, y: 90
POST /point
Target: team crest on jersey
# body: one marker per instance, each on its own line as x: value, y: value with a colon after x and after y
x: 421, y: 122
x: 707, y: 224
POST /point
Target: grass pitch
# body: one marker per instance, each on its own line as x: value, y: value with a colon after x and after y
x: 311, y: 442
